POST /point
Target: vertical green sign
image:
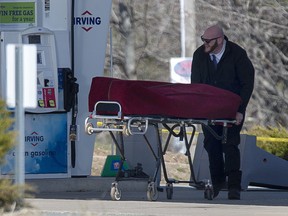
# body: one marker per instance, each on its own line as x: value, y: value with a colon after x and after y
x: 17, y: 12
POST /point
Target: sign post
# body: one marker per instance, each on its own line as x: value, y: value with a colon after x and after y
x: 21, y: 94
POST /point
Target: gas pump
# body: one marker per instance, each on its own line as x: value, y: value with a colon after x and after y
x: 71, y: 38
x: 47, y: 74
x: 47, y: 153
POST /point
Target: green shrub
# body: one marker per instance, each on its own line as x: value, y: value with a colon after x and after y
x: 7, y: 137
x: 9, y: 193
x: 277, y: 146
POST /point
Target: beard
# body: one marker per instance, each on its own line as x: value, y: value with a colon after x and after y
x: 210, y: 49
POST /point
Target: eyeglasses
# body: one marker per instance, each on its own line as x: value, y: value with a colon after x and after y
x: 208, y: 40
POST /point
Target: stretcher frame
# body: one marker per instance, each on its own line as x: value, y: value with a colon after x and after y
x: 107, y: 116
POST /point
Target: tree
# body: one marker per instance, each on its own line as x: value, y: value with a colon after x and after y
x: 7, y: 140
x: 7, y: 137
x: 259, y: 26
x: 152, y: 25
x: 9, y: 192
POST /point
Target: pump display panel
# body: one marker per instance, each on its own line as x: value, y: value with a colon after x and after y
x: 34, y: 39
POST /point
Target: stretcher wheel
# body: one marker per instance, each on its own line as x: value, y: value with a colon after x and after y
x: 152, y: 193
x: 169, y: 190
x: 88, y: 128
x: 208, y: 193
x: 115, y: 192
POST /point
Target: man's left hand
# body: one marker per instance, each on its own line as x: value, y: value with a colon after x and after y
x: 239, y: 118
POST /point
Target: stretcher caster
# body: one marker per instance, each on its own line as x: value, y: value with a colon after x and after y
x: 208, y: 194
x: 208, y: 191
x: 115, y: 192
x: 169, y: 190
x: 88, y: 128
x: 152, y: 192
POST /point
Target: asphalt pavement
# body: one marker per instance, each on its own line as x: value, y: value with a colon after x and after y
x: 87, y: 199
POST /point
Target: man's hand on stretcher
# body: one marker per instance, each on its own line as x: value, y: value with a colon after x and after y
x: 239, y: 118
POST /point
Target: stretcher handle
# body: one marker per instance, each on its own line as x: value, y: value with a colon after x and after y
x: 111, y: 109
x: 137, y: 122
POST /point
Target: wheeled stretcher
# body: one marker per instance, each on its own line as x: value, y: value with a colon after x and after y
x: 127, y: 107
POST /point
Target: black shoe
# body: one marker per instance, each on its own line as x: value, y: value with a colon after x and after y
x: 234, y: 194
x: 216, y: 189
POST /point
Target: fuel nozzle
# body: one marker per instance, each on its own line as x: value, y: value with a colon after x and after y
x: 73, y: 133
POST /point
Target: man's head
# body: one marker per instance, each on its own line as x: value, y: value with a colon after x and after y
x: 213, y: 38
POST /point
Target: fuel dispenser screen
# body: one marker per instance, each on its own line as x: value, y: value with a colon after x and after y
x: 34, y: 39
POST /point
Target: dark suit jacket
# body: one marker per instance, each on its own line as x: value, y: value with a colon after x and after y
x: 235, y: 71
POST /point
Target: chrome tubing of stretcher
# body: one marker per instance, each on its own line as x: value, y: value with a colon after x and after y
x: 112, y: 117
x: 134, y: 125
x: 91, y: 129
x: 141, y: 129
x: 168, y: 120
x: 95, y: 129
x: 223, y: 121
x: 127, y: 125
x: 112, y: 105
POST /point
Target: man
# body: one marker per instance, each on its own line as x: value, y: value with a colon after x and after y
x: 223, y: 64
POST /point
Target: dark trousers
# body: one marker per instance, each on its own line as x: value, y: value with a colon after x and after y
x: 224, y: 159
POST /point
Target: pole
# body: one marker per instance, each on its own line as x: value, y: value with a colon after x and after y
x: 111, y: 53
x: 111, y: 72
x: 20, y: 121
x: 190, y: 27
x: 182, y: 22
